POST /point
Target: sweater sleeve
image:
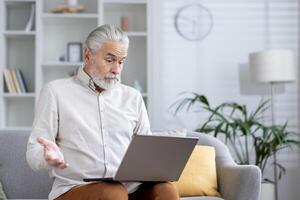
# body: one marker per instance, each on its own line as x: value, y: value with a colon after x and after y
x: 45, y: 124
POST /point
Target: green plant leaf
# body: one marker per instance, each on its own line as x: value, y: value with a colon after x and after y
x: 244, y: 132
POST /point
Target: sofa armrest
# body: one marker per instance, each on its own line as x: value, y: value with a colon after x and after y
x: 239, y: 181
x: 235, y: 182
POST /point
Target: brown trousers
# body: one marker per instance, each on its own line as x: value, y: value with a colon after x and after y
x: 116, y: 191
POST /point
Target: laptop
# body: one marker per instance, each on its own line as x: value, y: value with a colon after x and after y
x: 153, y: 158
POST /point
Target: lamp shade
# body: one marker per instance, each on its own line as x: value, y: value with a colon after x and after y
x: 272, y: 66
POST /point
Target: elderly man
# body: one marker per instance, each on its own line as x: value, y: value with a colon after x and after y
x: 84, y: 124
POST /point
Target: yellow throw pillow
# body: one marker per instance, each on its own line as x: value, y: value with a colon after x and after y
x: 199, y: 177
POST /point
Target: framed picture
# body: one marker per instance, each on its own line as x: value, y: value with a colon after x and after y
x: 74, y: 52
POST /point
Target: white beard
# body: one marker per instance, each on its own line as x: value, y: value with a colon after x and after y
x: 107, y: 82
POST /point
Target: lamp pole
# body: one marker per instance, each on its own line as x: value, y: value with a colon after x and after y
x: 274, y: 153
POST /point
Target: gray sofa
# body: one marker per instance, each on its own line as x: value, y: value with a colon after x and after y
x: 235, y: 182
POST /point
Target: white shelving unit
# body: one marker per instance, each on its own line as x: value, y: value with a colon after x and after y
x: 15, y: 34
x: 9, y: 95
x: 61, y: 64
x: 17, y: 51
x: 141, y: 34
x: 39, y: 52
x: 64, y: 15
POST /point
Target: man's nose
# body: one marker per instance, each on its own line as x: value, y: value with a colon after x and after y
x: 116, y: 69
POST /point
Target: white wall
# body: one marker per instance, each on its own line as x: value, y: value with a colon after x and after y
x: 214, y: 65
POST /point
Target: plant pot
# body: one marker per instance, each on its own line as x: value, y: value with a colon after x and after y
x: 267, y: 191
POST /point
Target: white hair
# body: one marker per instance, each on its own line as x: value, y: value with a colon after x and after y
x: 103, y: 34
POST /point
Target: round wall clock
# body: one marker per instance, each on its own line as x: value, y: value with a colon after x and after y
x: 193, y: 22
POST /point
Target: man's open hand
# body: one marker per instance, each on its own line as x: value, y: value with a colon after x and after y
x: 52, y: 154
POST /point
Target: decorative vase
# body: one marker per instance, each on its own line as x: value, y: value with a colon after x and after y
x: 137, y: 86
x: 72, y: 2
x: 125, y: 23
x: 267, y: 191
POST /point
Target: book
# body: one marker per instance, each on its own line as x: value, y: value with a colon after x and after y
x: 14, y: 90
x: 15, y: 80
x: 21, y: 80
x: 10, y: 84
x: 6, y: 81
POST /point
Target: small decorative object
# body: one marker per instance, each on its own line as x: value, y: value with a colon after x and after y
x: 74, y: 52
x: 2, y: 194
x: 125, y: 23
x: 72, y: 2
x: 267, y: 191
x: 68, y: 9
x: 30, y: 22
x: 62, y: 58
x: 137, y: 86
x: 74, y: 71
x: 193, y: 22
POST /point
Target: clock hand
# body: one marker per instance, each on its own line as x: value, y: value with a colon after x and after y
x: 194, y: 26
x: 187, y: 19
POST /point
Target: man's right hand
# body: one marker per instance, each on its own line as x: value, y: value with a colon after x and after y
x: 52, y: 154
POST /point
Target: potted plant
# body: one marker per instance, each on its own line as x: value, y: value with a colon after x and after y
x: 244, y: 132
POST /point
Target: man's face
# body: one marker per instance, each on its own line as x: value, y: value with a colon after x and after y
x: 105, y: 66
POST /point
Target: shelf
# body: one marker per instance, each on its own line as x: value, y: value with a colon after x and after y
x: 131, y: 34
x: 61, y: 64
x: 20, y: 1
x: 18, y: 34
x: 17, y: 128
x: 18, y: 95
x: 125, y: 1
x: 70, y: 15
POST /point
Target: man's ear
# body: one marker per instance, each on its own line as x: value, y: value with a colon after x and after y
x: 87, y: 56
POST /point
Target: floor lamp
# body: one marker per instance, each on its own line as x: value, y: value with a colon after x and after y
x: 273, y: 66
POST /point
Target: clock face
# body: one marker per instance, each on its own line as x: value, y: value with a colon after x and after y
x: 193, y: 22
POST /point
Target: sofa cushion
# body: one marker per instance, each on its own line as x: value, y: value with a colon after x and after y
x: 18, y: 180
x: 201, y: 198
x: 199, y: 177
